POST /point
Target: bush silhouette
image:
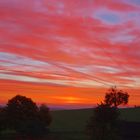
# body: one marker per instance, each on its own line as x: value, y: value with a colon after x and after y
x: 44, y: 113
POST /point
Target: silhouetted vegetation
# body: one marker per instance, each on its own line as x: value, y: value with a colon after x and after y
x: 22, y: 119
x: 44, y: 115
x: 104, y: 124
x: 115, y: 97
x: 22, y: 115
x: 2, y: 118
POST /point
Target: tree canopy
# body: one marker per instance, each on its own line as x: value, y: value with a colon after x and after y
x: 24, y: 116
x: 115, y: 97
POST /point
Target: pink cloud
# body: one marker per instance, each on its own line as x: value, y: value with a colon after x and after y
x: 69, y: 41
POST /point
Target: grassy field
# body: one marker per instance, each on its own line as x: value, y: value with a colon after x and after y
x: 130, y: 114
x: 71, y: 124
x: 70, y: 120
x: 76, y: 120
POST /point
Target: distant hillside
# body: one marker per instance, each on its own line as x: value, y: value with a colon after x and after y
x: 130, y: 114
x: 75, y: 120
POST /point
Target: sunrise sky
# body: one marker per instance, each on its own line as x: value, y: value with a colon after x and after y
x: 69, y: 52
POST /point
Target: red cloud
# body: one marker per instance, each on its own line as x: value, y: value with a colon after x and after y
x: 66, y: 41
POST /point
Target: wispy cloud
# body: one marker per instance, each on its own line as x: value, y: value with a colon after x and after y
x: 78, y: 44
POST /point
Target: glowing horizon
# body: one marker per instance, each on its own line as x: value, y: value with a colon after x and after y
x: 69, y: 52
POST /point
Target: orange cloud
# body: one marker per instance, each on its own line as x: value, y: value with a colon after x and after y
x: 67, y: 50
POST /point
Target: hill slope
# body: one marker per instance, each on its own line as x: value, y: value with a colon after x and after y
x: 75, y: 120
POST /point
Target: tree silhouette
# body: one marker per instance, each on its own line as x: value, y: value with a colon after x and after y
x: 19, y: 109
x: 115, y: 97
x: 104, y: 123
x: 24, y: 116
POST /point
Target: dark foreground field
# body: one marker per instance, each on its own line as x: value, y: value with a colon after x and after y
x: 71, y: 124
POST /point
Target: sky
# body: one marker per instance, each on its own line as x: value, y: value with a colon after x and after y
x: 68, y: 53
